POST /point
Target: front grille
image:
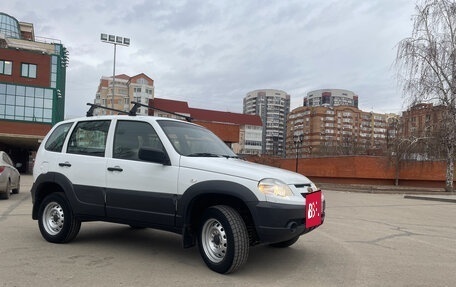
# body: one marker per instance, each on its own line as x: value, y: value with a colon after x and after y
x: 304, y: 185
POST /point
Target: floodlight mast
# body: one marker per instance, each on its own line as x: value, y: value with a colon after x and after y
x: 115, y: 40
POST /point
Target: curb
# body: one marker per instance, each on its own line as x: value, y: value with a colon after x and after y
x: 452, y: 200
x: 419, y: 193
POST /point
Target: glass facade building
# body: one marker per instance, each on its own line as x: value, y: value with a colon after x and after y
x: 9, y: 26
x: 32, y: 88
x: 32, y: 74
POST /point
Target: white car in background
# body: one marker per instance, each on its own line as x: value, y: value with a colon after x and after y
x: 9, y: 176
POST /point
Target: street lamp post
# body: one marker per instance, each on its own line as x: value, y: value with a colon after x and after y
x: 115, y: 40
x: 297, y: 139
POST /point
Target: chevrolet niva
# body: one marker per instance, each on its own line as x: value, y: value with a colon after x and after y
x: 168, y: 174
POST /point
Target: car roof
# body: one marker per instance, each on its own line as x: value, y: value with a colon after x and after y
x: 149, y: 119
x: 111, y: 117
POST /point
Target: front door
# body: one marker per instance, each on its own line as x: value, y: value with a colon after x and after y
x: 139, y: 191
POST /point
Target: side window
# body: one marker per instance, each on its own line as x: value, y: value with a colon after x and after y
x: 57, y: 138
x: 130, y: 136
x: 89, y: 138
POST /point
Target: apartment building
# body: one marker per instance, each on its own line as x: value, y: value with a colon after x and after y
x: 119, y: 94
x: 330, y: 98
x: 32, y: 88
x: 421, y: 120
x: 338, y: 130
x: 273, y: 107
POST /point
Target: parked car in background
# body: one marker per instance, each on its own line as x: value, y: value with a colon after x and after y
x: 9, y: 176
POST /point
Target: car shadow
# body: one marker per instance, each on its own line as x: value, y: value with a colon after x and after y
x: 150, y: 242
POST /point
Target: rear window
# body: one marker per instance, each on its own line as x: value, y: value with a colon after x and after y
x: 89, y: 138
x: 57, y: 138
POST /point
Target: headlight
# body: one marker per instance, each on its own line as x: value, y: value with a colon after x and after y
x: 270, y: 186
x: 313, y: 187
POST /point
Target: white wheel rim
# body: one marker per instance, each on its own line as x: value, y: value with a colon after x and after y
x: 53, y: 218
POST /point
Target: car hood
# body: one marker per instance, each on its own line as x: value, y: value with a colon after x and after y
x: 241, y: 168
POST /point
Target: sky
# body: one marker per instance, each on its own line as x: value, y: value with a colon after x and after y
x: 212, y: 53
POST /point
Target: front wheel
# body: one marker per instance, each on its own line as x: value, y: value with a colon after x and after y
x: 223, y: 239
x: 56, y: 220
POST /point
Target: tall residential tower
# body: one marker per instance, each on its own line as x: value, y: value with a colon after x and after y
x: 273, y: 107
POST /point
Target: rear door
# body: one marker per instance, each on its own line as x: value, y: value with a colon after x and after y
x: 139, y: 191
x: 84, y: 164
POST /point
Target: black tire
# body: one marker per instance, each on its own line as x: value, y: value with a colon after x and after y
x: 16, y: 190
x: 223, y: 239
x: 56, y: 219
x: 6, y: 195
x: 286, y: 243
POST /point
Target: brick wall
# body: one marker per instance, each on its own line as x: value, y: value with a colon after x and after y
x: 227, y: 132
x: 23, y: 128
x: 42, y: 61
x: 365, y: 170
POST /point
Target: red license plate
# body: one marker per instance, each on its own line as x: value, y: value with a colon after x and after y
x: 313, y: 209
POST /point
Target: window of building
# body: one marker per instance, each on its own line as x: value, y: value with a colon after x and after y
x: 28, y: 70
x: 6, y: 67
x: 25, y: 103
x: 142, y: 81
x: 54, y: 71
x: 9, y: 26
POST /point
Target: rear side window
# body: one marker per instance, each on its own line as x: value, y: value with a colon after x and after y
x: 57, y: 138
x: 7, y: 159
x: 89, y: 138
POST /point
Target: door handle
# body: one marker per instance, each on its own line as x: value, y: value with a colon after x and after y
x: 67, y: 164
x: 116, y: 168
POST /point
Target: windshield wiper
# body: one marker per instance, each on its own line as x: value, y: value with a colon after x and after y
x: 230, y: 156
x: 203, y: 154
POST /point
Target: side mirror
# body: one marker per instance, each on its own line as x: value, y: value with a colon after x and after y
x: 153, y: 155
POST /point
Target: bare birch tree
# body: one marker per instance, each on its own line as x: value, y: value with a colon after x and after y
x: 426, y: 63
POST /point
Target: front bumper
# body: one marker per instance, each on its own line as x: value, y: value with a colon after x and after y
x: 277, y: 222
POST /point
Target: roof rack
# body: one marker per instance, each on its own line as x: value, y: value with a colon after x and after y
x: 136, y: 105
x: 95, y: 106
x: 133, y: 110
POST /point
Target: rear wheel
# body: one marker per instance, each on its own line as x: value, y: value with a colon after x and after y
x: 56, y: 220
x: 16, y: 190
x: 7, y: 192
x: 223, y: 239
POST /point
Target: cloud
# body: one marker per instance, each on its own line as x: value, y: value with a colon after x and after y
x: 212, y: 54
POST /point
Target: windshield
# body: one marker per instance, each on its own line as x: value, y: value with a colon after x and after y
x: 193, y: 140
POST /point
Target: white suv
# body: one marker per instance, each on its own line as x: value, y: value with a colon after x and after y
x: 170, y: 175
